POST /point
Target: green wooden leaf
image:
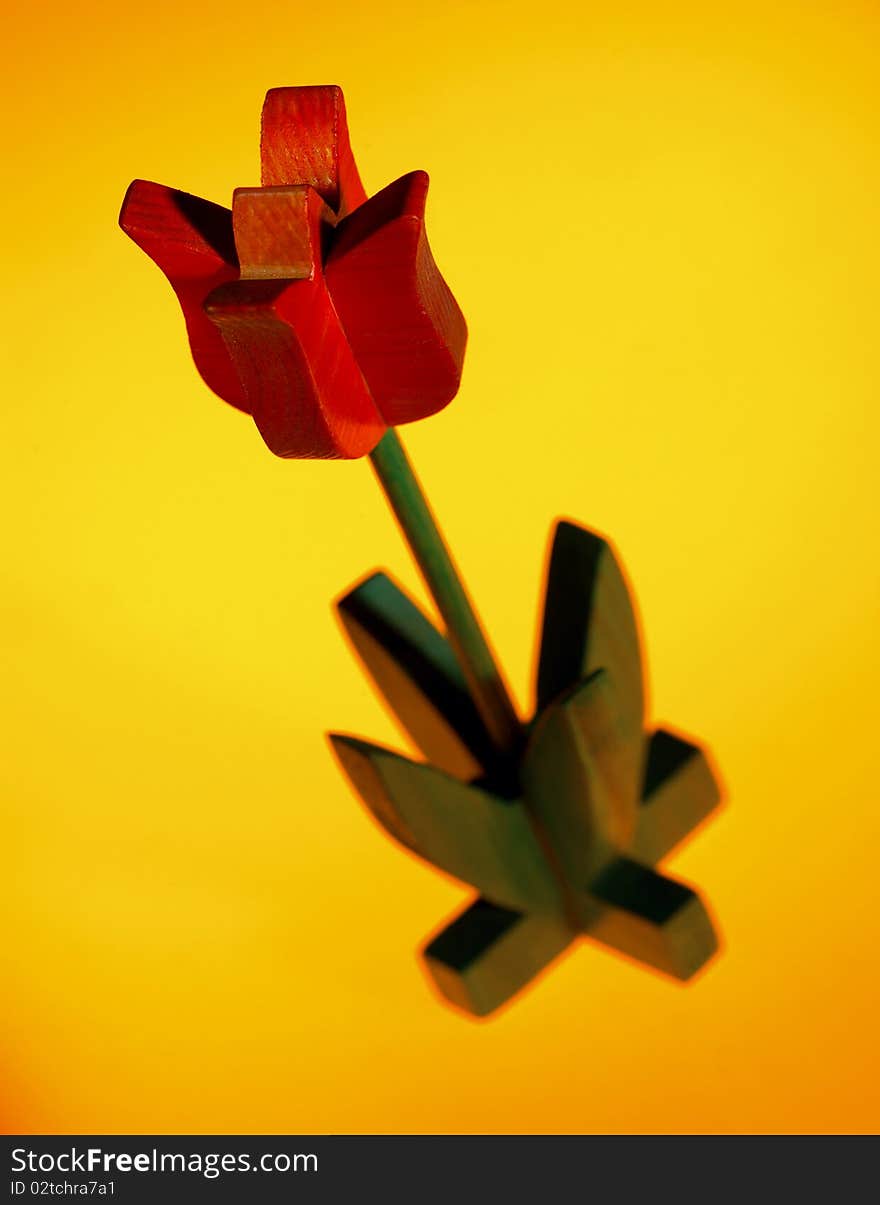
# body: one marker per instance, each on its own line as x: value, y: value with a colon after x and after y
x: 413, y: 667
x: 650, y: 917
x: 679, y: 792
x: 581, y: 774
x: 589, y: 622
x: 486, y: 954
x: 476, y: 836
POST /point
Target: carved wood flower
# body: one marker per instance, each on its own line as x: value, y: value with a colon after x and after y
x: 319, y: 312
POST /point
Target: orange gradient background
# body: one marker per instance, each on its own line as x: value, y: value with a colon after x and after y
x: 662, y: 224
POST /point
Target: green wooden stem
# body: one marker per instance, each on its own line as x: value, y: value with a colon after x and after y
x: 402, y: 489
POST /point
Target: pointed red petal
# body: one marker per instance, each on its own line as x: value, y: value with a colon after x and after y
x: 191, y: 241
x: 401, y: 319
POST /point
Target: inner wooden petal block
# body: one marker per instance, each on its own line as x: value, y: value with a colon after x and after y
x: 401, y: 319
x: 279, y: 232
x: 304, y: 140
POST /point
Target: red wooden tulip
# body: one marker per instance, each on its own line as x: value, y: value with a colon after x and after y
x: 319, y: 312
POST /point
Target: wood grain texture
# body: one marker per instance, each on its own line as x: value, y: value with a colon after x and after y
x: 279, y: 232
x: 304, y: 140
x: 403, y: 323
x: 296, y: 368
x: 192, y: 242
x: 478, y: 837
x: 486, y: 954
x: 415, y: 670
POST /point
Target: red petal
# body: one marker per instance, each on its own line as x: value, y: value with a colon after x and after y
x: 401, y: 319
x: 304, y: 140
x: 302, y: 382
x: 191, y: 241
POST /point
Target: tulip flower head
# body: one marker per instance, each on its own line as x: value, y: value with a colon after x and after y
x: 314, y: 309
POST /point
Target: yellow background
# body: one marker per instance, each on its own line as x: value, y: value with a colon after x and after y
x: 662, y: 224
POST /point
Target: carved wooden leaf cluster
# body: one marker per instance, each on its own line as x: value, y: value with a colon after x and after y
x: 564, y: 840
